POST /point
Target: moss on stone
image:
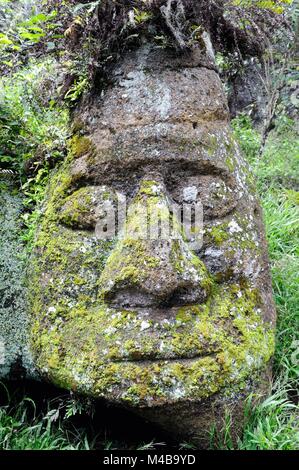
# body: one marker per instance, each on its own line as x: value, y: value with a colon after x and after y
x: 76, y: 206
x: 224, y: 339
x: 217, y: 234
x: 212, y: 144
x: 80, y: 343
x: 81, y: 145
x: 77, y: 125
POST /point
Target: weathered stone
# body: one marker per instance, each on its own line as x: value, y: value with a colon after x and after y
x: 179, y: 335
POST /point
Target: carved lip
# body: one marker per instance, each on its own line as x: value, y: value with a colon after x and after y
x: 158, y: 312
x: 154, y: 359
x: 155, y: 305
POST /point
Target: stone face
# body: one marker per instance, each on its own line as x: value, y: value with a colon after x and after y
x: 179, y: 335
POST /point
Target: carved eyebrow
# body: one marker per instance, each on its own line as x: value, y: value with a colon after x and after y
x: 125, y: 173
x: 102, y: 171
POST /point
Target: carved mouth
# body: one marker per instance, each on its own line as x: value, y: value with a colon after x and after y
x: 151, y: 335
x: 154, y: 359
x: 137, y: 299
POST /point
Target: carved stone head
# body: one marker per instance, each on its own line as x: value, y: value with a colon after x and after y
x: 179, y: 327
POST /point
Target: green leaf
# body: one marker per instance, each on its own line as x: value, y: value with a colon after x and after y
x: 31, y: 36
x: 41, y: 17
x: 5, y: 158
x: 7, y: 63
x: 35, y: 28
x: 4, y: 40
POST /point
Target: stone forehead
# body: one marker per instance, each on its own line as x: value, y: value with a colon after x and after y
x: 159, y: 110
x: 141, y: 98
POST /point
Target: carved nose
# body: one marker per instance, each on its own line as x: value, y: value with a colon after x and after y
x: 149, y: 265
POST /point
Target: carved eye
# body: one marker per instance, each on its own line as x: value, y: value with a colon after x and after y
x: 216, y: 195
x: 84, y: 207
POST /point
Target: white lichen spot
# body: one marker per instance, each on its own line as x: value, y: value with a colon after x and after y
x: 213, y: 253
x: 250, y: 360
x: 110, y: 330
x: 190, y: 194
x: 163, y: 101
x: 177, y: 392
x: 156, y: 190
x: 234, y: 227
x: 145, y: 325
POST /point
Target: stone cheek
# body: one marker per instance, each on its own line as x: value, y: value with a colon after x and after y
x: 233, y: 246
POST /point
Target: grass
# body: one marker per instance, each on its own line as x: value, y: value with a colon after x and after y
x: 48, y: 421
x: 22, y: 429
x: 274, y: 424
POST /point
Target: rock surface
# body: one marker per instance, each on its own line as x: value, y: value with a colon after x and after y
x: 179, y: 335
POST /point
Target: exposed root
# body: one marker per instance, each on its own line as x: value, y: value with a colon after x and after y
x: 175, y: 18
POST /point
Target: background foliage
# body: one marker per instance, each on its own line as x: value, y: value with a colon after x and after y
x: 44, y: 74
